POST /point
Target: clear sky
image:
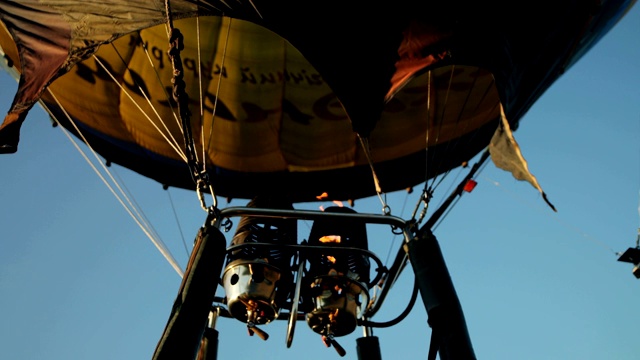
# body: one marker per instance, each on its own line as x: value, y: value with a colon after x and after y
x: 80, y: 280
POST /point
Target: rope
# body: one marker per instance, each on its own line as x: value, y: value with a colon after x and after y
x: 569, y: 226
x: 130, y: 208
x: 175, y: 216
x: 364, y: 142
x: 172, y: 143
x: 431, y: 186
x: 215, y: 101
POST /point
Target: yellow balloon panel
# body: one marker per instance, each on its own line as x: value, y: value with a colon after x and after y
x: 257, y: 105
x: 434, y: 108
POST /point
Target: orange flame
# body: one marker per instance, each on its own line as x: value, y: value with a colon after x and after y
x: 331, y: 239
x: 331, y: 259
x: 324, y: 195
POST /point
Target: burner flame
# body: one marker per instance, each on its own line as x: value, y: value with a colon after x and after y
x: 335, y: 239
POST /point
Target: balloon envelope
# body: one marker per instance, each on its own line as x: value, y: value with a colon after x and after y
x: 295, y: 105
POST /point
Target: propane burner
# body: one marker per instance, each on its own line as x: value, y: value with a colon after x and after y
x: 250, y: 286
x: 337, y: 304
x: 338, y: 284
x: 258, y: 278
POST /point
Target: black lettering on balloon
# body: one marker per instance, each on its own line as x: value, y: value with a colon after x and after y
x: 222, y: 111
x: 313, y: 79
x: 138, y: 86
x: 246, y: 76
x: 105, y: 71
x: 295, y: 114
x: 85, y: 72
x: 325, y: 108
x: 190, y: 64
x: 158, y: 54
x: 169, y: 101
x: 297, y: 78
x: 219, y: 71
x: 206, y: 70
x: 133, y: 41
x: 92, y: 76
x: 255, y: 113
x: 268, y: 78
x: 302, y: 76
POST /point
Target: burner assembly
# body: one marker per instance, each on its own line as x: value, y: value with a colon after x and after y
x: 257, y: 279
x: 339, y: 279
x: 323, y: 280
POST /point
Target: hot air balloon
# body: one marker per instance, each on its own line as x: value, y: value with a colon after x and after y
x: 253, y: 100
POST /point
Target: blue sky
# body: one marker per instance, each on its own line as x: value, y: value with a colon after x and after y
x: 80, y: 280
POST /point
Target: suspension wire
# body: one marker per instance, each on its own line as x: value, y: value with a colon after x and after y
x: 255, y: 8
x: 175, y: 216
x: 444, y: 109
x: 218, y: 86
x: 131, y: 199
x: 164, y: 89
x: 446, y: 101
x: 199, y: 65
x: 446, y: 213
x: 452, y: 198
x: 454, y: 142
x: 481, y: 167
x: 130, y: 208
x: 364, y: 142
x: 173, y: 143
x: 452, y: 184
x: 201, y: 93
x: 427, y: 192
x: 393, y: 242
x: 429, y: 119
x: 203, y: 161
x: 430, y: 189
x: 556, y: 218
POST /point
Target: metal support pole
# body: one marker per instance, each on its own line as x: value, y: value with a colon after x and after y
x: 368, y: 346
x: 209, y: 344
x: 449, y: 329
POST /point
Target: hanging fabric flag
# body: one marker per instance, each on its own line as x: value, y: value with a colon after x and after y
x: 506, y: 155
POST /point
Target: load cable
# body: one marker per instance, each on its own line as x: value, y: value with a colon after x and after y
x: 565, y: 224
x: 129, y: 206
